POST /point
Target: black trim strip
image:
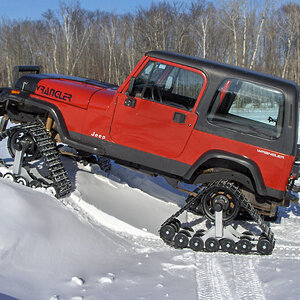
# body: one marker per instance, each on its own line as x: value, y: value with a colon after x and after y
x: 143, y: 159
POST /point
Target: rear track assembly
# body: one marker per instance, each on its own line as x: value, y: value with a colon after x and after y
x: 219, y: 237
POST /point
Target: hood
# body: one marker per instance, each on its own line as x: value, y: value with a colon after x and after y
x: 71, y: 90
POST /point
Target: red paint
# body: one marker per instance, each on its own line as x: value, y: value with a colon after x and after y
x: 275, y: 171
x: 66, y: 91
x: 224, y: 91
x: 100, y: 113
x: 149, y: 126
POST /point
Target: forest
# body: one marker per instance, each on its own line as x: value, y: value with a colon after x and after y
x: 105, y: 46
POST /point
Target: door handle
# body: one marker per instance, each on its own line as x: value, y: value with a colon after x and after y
x: 130, y: 102
x: 179, y: 117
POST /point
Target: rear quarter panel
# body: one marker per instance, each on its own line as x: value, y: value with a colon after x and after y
x: 275, y: 167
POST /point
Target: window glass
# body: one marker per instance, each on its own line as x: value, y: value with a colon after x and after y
x: 168, y: 85
x: 249, y: 108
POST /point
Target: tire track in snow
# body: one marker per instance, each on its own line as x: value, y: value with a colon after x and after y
x: 204, y: 285
x: 247, y: 283
x: 287, y: 236
x: 210, y: 279
x: 285, y: 252
x: 288, y: 230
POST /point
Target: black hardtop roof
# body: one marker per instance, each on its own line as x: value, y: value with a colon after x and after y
x: 210, y: 67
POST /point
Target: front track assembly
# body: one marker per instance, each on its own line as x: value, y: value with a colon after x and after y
x: 221, y: 236
x: 31, y: 141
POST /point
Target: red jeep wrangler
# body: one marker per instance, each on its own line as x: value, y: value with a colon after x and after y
x: 230, y: 131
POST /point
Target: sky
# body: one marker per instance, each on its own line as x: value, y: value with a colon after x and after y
x: 33, y: 9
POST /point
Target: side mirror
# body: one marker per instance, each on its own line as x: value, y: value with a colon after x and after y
x: 130, y: 87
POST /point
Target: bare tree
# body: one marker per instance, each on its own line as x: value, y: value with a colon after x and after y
x: 201, y: 14
x: 258, y: 35
x: 289, y: 28
x: 231, y: 21
x: 5, y: 41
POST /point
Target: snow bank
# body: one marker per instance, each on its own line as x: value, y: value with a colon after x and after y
x: 44, y: 244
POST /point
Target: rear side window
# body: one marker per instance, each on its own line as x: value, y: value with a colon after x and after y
x: 168, y: 85
x: 249, y: 108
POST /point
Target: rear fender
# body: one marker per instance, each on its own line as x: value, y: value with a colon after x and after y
x: 242, y: 170
x: 223, y: 174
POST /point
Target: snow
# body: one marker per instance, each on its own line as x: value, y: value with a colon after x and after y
x: 101, y: 242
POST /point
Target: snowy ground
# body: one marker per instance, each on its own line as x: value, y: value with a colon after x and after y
x: 101, y: 242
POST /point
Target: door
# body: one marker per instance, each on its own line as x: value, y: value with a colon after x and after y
x: 159, y: 114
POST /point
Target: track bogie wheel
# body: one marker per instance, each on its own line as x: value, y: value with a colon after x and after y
x: 52, y: 190
x: 227, y: 245
x: 244, y: 246
x: 181, y: 239
x: 263, y: 236
x: 264, y: 246
x: 196, y: 243
x: 9, y: 176
x: 246, y: 237
x: 168, y: 231
x: 188, y: 228
x: 212, y: 245
x: 248, y: 233
x: 22, y: 180
x: 177, y: 223
x: 200, y: 232
x: 35, y: 184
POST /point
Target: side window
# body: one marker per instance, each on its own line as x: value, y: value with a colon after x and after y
x: 249, y: 108
x: 168, y: 85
